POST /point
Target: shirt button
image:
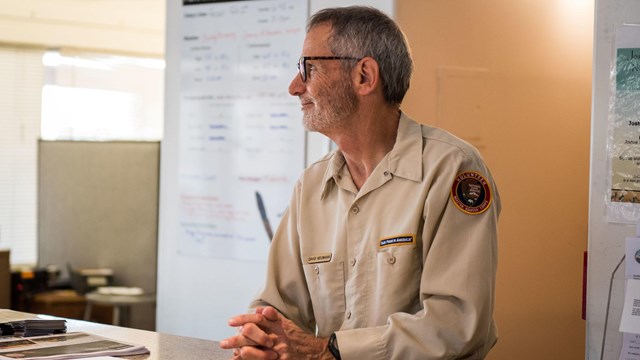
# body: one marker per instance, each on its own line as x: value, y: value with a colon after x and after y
x: 386, y: 173
x: 355, y: 210
x: 392, y: 260
x: 353, y: 262
x: 348, y: 314
x: 316, y: 269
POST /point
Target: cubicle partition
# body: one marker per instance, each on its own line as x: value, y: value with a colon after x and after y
x: 98, y: 208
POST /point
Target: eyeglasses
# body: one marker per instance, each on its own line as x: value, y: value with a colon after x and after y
x: 302, y: 63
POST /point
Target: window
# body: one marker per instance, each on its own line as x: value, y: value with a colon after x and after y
x: 102, y: 97
x: 21, y: 79
x: 56, y: 96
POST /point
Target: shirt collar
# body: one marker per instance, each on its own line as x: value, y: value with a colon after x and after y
x: 404, y: 160
x: 332, y: 173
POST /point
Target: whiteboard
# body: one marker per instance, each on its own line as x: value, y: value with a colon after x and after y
x: 215, y: 154
x: 241, y: 141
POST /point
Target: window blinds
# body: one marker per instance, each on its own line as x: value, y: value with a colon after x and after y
x: 21, y: 80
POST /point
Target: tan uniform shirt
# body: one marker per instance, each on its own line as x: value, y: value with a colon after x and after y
x: 397, y: 270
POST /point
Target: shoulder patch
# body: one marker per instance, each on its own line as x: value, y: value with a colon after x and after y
x: 471, y: 193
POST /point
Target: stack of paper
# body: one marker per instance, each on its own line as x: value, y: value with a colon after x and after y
x: 36, y: 327
x: 65, y: 346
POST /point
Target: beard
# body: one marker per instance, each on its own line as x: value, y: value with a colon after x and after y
x: 331, y: 106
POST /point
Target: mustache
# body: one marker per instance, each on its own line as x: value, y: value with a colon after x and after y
x: 306, y: 99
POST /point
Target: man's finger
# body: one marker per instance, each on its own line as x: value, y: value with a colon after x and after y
x: 257, y: 335
x: 245, y: 319
x: 235, y: 342
x: 241, y: 340
x: 250, y: 353
x: 236, y: 354
x: 270, y: 313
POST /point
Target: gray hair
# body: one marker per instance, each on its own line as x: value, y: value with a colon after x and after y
x: 360, y: 31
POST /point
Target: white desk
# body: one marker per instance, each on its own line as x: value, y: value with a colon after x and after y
x: 161, y: 346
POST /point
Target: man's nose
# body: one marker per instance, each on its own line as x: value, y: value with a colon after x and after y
x: 297, y: 87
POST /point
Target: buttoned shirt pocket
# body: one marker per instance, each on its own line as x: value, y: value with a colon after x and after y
x: 397, y: 273
x: 326, y: 286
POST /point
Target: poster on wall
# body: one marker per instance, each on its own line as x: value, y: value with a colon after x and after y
x: 241, y: 139
x: 624, y: 125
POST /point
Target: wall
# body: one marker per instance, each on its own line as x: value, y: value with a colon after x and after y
x: 514, y: 78
x: 116, y: 25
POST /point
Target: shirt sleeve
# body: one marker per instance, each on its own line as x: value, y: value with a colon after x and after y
x: 285, y: 287
x: 456, y: 287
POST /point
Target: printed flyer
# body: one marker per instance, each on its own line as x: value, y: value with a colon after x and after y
x: 624, y: 122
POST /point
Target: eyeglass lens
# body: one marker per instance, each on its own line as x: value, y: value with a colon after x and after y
x: 302, y: 63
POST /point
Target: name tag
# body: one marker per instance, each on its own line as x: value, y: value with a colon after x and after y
x: 319, y: 258
x: 398, y: 240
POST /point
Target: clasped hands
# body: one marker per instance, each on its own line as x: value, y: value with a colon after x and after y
x: 267, y: 334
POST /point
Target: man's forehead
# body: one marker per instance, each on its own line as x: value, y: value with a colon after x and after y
x: 316, y: 41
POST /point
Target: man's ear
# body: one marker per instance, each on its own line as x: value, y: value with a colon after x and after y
x: 367, y: 76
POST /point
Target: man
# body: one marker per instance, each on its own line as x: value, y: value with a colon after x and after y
x: 388, y: 249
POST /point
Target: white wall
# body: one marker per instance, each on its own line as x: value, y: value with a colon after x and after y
x: 116, y: 25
